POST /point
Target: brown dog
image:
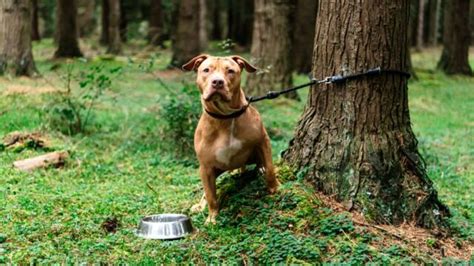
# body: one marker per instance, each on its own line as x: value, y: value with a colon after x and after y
x: 230, y: 133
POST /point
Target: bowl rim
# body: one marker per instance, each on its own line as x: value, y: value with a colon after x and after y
x: 179, y: 218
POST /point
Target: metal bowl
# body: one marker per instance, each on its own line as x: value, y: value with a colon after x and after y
x: 165, y: 226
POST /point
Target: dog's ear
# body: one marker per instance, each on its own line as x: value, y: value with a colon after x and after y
x: 194, y: 63
x: 244, y: 63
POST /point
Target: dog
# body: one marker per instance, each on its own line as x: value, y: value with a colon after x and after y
x: 230, y: 133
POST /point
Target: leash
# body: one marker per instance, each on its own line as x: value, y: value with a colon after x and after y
x: 337, y: 79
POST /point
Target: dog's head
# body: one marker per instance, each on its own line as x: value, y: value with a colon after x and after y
x: 218, y: 78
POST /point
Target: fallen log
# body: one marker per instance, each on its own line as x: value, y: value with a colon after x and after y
x: 55, y: 159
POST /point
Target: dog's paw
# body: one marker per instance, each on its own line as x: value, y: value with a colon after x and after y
x: 273, y: 188
x: 199, y: 207
x: 211, y: 218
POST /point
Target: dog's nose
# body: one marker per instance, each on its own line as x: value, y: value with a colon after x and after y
x: 217, y: 83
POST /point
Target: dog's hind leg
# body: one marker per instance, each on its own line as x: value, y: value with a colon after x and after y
x: 264, y: 152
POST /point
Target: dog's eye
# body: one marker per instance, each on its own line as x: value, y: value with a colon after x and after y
x: 231, y: 71
x: 206, y: 70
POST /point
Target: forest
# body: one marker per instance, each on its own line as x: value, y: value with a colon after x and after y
x: 287, y: 131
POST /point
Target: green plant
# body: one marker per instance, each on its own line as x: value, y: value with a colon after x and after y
x: 180, y: 112
x: 70, y: 111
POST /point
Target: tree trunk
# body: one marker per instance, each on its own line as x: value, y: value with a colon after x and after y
x: 66, y: 29
x: 421, y: 19
x: 35, y: 36
x: 155, y: 32
x: 16, y: 57
x: 354, y: 140
x: 432, y: 26
x: 219, y: 20
x: 104, y: 32
x: 303, y: 35
x: 413, y: 22
x: 471, y: 16
x: 115, y: 41
x: 456, y: 39
x: 85, y: 17
x: 123, y: 21
x: 271, y: 47
x: 203, y: 25
x: 186, y: 37
x: 240, y: 16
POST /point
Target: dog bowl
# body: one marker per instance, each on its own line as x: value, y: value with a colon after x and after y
x: 165, y: 226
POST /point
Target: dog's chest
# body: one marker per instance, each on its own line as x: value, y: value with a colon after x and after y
x: 231, y: 147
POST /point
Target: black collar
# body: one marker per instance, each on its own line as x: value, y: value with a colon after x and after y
x: 229, y: 116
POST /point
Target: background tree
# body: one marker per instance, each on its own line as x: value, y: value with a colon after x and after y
x: 271, y: 47
x: 431, y: 32
x: 203, y: 24
x: 303, y: 34
x: 114, y: 38
x: 35, y: 35
x: 456, y: 38
x: 66, y: 29
x: 155, y: 28
x: 104, y: 29
x: 421, y: 25
x: 354, y: 140
x: 240, y: 19
x: 16, y: 57
x: 186, y: 43
x: 86, y: 17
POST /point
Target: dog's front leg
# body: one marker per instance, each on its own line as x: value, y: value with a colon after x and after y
x: 265, y: 161
x: 208, y: 179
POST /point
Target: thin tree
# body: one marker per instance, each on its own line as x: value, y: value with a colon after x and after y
x: 303, y: 35
x: 354, y: 140
x: 16, y: 57
x: 104, y: 29
x: 114, y: 39
x: 186, y: 42
x: 155, y: 30
x: 66, y: 29
x: 86, y: 17
x: 421, y: 24
x: 271, y: 47
x: 432, y: 25
x: 35, y: 35
x: 456, y: 38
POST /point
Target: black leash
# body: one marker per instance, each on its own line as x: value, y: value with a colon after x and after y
x: 337, y: 79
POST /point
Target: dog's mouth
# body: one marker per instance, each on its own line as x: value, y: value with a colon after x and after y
x: 216, y: 95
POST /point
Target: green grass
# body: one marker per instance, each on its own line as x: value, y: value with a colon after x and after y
x: 121, y: 169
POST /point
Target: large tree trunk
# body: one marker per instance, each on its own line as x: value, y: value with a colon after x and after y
x: 155, y: 32
x: 271, y: 47
x: 456, y: 39
x: 85, y: 17
x: 35, y: 35
x: 104, y: 31
x: 186, y: 38
x: 16, y: 57
x: 115, y: 41
x: 66, y: 29
x: 354, y: 140
x: 303, y: 35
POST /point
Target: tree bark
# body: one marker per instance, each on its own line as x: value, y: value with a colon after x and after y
x: 186, y: 38
x: 354, y: 140
x: 155, y: 32
x: 271, y: 47
x: 35, y: 35
x: 456, y: 39
x: 16, y: 57
x: 66, y: 29
x: 85, y: 17
x: 115, y: 41
x: 303, y: 37
x: 104, y: 33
